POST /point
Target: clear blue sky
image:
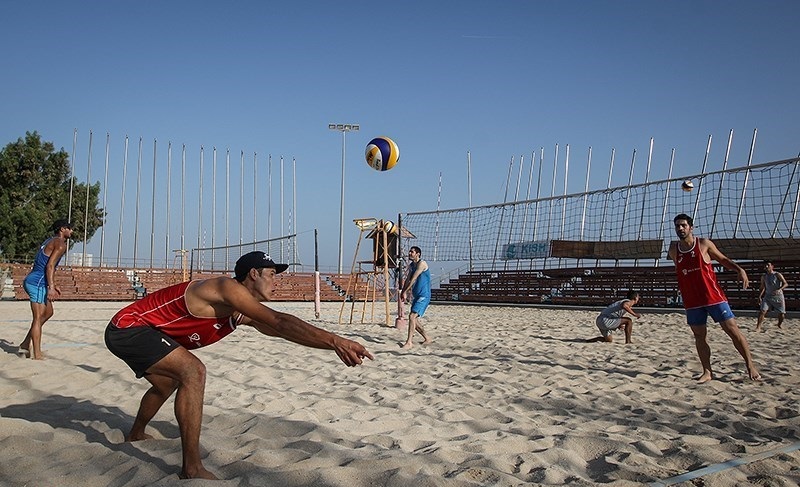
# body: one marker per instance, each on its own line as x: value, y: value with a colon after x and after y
x: 497, y: 78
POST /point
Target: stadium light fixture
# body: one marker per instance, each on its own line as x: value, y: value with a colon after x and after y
x: 343, y: 128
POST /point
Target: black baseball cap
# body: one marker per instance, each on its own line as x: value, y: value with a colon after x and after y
x: 61, y: 223
x: 256, y: 260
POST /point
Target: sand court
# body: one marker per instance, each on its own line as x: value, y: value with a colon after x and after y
x: 504, y: 396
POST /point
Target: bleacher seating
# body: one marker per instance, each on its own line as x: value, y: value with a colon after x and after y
x: 81, y: 283
x: 600, y: 286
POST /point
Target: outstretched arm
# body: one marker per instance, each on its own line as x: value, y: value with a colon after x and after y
x: 286, y: 326
x: 294, y: 329
x: 628, y: 308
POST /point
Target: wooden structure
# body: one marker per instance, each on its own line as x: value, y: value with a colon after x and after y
x: 373, y: 274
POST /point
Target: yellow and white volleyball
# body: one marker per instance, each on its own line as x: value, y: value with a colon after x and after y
x: 389, y: 227
x: 382, y: 153
x: 687, y: 185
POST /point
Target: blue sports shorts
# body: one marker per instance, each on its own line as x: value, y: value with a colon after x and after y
x: 420, y: 304
x: 718, y: 312
x: 37, y: 294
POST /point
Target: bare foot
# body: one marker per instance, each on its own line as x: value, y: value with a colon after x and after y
x: 704, y: 378
x: 758, y: 328
x: 200, y: 473
x: 407, y: 345
x: 426, y: 342
x: 139, y: 437
x: 41, y: 356
x: 753, y: 373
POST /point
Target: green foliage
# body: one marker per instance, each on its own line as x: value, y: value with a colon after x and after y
x: 34, y: 192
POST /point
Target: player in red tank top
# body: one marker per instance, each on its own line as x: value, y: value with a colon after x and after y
x: 154, y: 335
x: 702, y: 295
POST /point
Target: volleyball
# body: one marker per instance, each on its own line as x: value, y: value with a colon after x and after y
x: 390, y: 227
x: 687, y: 185
x: 382, y: 153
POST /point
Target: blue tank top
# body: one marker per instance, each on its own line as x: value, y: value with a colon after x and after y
x: 422, y: 286
x: 41, y: 259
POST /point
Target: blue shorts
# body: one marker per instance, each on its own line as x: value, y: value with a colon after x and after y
x: 420, y: 304
x: 36, y: 289
x: 718, y: 312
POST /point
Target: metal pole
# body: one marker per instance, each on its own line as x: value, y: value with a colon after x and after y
x: 316, y: 275
x: 538, y: 193
x: 341, y: 207
x: 213, y: 203
x: 153, y: 206
x: 605, y: 202
x: 721, y: 183
x: 552, y: 192
x: 469, y: 207
x: 227, y: 205
x: 169, y: 204
x: 122, y: 200
x: 294, y: 209
x: 436, y: 225
x: 528, y: 196
x: 644, y: 190
x: 666, y: 198
x: 183, y: 202
x: 586, y: 191
x: 628, y: 194
x: 744, y: 186
x: 105, y: 199
x: 702, y: 173
x: 269, y: 200
x: 564, y: 201
x: 71, y: 185
x: 344, y: 128
x: 138, y: 192
x: 516, y: 198
x: 241, y: 200
x: 283, y: 232
x: 502, y: 211
x: 86, y: 208
x: 199, y: 217
x: 255, y: 198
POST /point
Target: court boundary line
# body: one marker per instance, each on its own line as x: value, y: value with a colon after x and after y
x: 718, y: 467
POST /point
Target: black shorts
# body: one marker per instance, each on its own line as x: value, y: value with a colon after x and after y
x: 140, y: 347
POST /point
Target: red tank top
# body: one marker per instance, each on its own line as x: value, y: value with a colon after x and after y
x: 166, y: 311
x: 697, y: 279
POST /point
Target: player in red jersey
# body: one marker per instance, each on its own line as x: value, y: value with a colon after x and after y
x: 154, y: 335
x: 702, y: 295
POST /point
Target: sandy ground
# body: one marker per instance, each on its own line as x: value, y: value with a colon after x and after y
x: 504, y: 396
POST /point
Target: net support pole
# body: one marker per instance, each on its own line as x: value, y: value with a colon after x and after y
x: 316, y: 275
x: 401, y: 322
x: 469, y: 211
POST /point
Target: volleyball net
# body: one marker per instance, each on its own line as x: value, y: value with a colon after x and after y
x: 753, y: 209
x: 222, y: 259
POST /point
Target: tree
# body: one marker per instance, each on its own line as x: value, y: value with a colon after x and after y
x: 34, y: 192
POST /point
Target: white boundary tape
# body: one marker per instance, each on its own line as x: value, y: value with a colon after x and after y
x: 724, y: 466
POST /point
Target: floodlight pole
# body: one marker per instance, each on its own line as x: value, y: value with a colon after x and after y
x: 343, y: 128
